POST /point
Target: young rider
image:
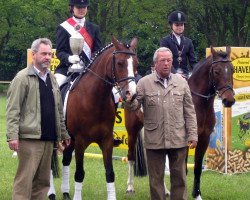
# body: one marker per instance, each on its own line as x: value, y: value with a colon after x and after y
x: 182, y: 47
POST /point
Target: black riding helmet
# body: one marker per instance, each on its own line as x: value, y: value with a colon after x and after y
x: 79, y: 3
x: 176, y: 17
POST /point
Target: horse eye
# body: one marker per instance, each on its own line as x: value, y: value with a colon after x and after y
x: 216, y: 72
x: 120, y: 62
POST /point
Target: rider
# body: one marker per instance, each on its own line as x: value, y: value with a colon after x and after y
x: 181, y: 46
x: 89, y: 31
x: 92, y: 43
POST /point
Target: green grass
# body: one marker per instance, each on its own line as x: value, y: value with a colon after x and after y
x: 214, y: 186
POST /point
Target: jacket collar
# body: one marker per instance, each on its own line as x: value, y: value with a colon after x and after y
x: 172, y: 36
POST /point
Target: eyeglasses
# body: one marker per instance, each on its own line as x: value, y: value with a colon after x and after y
x: 179, y: 24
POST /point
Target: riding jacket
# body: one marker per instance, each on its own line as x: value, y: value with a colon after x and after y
x: 169, y: 114
x: 63, y: 47
x: 24, y: 108
x: 186, y: 49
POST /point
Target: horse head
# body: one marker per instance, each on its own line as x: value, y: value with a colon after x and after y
x: 221, y: 76
x: 124, y: 65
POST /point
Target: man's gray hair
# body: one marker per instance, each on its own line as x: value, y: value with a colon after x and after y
x: 161, y: 49
x: 36, y: 43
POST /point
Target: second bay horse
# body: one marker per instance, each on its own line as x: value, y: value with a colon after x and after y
x: 211, y: 77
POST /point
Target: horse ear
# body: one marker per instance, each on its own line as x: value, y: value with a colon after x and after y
x: 115, y: 42
x: 213, y: 52
x: 133, y: 44
x: 228, y: 50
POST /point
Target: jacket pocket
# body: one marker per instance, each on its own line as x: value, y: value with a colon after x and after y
x: 150, y: 126
x: 152, y: 98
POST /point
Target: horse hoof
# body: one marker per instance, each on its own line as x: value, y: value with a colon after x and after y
x: 130, y: 192
x: 117, y: 142
x: 198, y: 197
x: 52, y: 197
x: 66, y: 196
x: 167, y: 194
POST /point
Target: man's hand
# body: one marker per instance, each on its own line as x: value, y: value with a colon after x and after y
x: 192, y: 144
x: 14, y: 145
x: 74, y: 59
x: 128, y: 96
x: 65, y: 143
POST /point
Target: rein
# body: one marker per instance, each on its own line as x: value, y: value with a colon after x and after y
x: 211, y: 82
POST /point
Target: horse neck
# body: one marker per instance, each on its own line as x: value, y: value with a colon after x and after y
x: 200, y: 80
x: 96, y: 80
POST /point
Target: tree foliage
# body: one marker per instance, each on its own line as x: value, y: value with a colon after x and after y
x: 210, y: 22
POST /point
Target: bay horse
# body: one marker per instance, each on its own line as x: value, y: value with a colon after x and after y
x: 90, y: 111
x: 211, y: 76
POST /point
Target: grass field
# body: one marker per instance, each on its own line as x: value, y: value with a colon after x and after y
x: 214, y: 186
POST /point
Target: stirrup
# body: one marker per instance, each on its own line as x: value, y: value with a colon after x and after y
x: 117, y: 142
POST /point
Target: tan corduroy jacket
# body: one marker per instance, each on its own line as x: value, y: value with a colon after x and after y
x: 169, y: 114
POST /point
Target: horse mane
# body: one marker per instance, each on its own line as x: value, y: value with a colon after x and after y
x: 200, y: 64
x: 100, y: 51
x: 220, y: 53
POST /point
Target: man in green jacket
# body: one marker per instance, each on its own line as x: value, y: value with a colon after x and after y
x: 35, y: 123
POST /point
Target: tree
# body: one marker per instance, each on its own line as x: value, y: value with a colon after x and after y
x: 210, y: 22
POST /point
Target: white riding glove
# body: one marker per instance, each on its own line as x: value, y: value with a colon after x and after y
x: 74, y: 59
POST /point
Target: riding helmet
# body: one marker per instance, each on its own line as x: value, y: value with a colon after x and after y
x: 177, y: 17
x: 79, y: 3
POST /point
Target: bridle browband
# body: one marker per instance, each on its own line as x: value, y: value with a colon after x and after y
x: 211, y: 82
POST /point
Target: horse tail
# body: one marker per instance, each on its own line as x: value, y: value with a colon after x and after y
x: 55, y: 164
x: 140, y: 166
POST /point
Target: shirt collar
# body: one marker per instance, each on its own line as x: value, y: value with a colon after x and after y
x: 81, y: 22
x: 38, y: 72
x: 164, y: 81
x: 178, y: 38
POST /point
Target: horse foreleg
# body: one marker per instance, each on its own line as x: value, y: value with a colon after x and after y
x: 80, y: 173
x: 167, y: 192
x: 67, y: 157
x: 110, y: 175
x: 199, y: 154
x: 130, y: 182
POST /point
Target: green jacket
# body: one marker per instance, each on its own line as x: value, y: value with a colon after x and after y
x: 23, y: 107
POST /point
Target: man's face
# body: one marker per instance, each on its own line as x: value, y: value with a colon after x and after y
x: 41, y: 58
x: 178, y: 28
x: 163, y: 63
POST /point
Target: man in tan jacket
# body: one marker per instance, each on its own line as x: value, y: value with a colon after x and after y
x: 170, y: 124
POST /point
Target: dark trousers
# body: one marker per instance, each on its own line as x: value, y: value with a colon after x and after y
x: 156, y: 166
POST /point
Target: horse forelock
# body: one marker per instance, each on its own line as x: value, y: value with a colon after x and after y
x: 222, y: 54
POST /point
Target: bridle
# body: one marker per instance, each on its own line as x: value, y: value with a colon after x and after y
x: 217, y: 91
x: 114, y: 82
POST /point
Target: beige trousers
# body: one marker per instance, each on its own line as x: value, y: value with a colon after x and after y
x: 33, y: 171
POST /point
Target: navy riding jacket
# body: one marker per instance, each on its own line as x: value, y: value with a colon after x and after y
x: 186, y: 48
